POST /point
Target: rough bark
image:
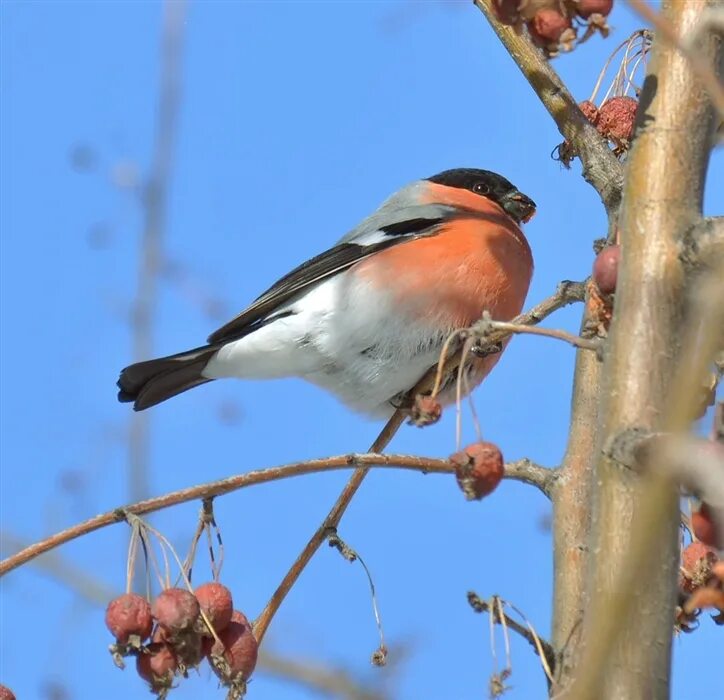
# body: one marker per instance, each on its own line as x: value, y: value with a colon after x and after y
x: 627, y: 633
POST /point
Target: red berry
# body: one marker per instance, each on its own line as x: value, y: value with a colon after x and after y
x: 616, y: 119
x: 234, y: 658
x: 478, y: 469
x: 129, y: 614
x: 6, y: 693
x: 186, y: 644
x: 425, y: 411
x: 586, y: 8
x: 157, y: 665
x: 216, y: 603
x: 605, y: 268
x: 704, y: 527
x: 697, y: 561
x: 547, y: 25
x: 176, y: 609
x: 590, y: 111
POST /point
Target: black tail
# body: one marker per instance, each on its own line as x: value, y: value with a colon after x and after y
x: 153, y: 381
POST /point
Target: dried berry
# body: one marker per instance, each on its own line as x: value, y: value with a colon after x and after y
x: 127, y: 615
x: 697, y: 561
x: 552, y: 31
x: 586, y: 8
x: 507, y: 11
x: 605, y: 269
x: 6, y: 693
x: 590, y: 111
x: 478, y: 469
x: 704, y: 527
x: 157, y: 665
x: 425, y: 411
x: 616, y: 119
x: 176, y: 609
x: 216, y: 603
x: 234, y: 657
x: 187, y: 645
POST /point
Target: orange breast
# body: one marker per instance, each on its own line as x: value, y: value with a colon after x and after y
x: 472, y: 265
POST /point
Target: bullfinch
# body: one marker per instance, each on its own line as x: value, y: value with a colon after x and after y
x: 367, y: 318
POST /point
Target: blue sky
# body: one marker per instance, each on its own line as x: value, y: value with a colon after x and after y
x: 297, y: 119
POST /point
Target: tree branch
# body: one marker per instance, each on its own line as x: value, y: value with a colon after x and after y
x: 651, y: 370
x: 329, y: 524
x: 601, y: 169
x: 522, y: 470
x: 541, y: 647
x: 703, y: 243
x: 482, y: 329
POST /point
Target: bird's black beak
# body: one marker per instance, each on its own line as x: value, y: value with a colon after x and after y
x: 518, y: 206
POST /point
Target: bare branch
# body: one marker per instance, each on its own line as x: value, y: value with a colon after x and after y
x: 523, y: 470
x: 703, y: 244
x: 693, y: 463
x: 261, y: 624
x: 483, y: 329
x: 543, y: 478
x: 657, y: 354
x: 601, y: 169
x: 541, y: 647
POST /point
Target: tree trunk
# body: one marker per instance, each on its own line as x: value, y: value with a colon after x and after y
x: 624, y: 642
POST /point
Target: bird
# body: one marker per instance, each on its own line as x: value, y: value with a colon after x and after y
x: 367, y: 318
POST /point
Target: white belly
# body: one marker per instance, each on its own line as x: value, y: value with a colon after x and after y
x: 344, y: 337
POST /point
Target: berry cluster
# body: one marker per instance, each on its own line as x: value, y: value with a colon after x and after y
x: 614, y: 120
x: 553, y: 24
x: 181, y: 629
x: 6, y: 693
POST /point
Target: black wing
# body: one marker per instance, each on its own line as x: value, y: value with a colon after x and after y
x: 329, y: 263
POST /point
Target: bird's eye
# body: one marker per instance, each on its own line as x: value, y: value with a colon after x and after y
x: 481, y: 188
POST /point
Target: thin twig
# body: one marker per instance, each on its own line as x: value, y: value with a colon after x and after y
x: 483, y: 329
x: 699, y: 65
x: 601, y: 168
x: 542, y: 648
x: 261, y: 624
x: 522, y: 470
x: 566, y: 293
x: 379, y: 657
